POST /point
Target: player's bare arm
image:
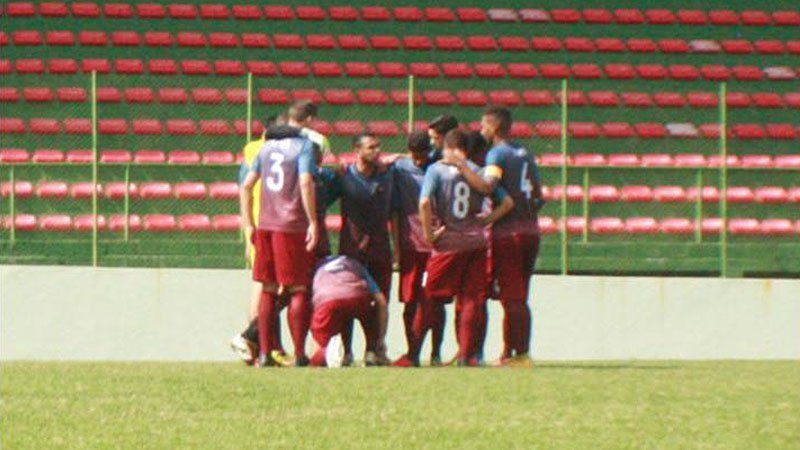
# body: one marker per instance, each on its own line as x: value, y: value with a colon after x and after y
x: 475, y: 181
x: 246, y: 203
x: 309, y: 197
x: 499, y: 211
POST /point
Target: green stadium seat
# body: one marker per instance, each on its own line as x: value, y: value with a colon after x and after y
x: 181, y: 127
x: 26, y: 38
x: 159, y: 223
x: 191, y: 39
x: 609, y: 45
x: 375, y: 14
x: 118, y: 10
x: 255, y: 40
x: 692, y: 17
x: 660, y: 17
x: 85, y: 10
x: 214, y: 12
x: 85, y: 223
x: 52, y: 9
x: 150, y: 11
x: 343, y: 13
x: 456, y: 70
x: 146, y: 127
x: 438, y: 14
x: 310, y: 13
x: 579, y: 44
x: 545, y: 44
x: 471, y: 15
x: 182, y: 11
x: 408, y: 14
x: 92, y: 38
x: 77, y: 126
x: 55, y: 222
x: 13, y: 156
x: 223, y: 40
x: 60, y: 38
x: 723, y: 17
x: 786, y: 18
x: 37, y: 94
x: 226, y: 222
x: 117, y: 222
x: 149, y: 156
x: 639, y: 225
x: 138, y: 95
x: 372, y: 97
x: 628, y: 16
x: 262, y: 68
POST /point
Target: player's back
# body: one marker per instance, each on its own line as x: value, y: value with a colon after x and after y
x: 457, y: 207
x: 278, y: 163
x: 407, y: 185
x: 340, y: 278
x: 519, y: 176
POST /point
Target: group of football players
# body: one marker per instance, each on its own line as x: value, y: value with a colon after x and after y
x: 457, y: 215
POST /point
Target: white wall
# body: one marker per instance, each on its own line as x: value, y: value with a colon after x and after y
x: 179, y: 314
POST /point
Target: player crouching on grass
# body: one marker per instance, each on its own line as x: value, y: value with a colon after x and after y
x: 457, y: 265
x: 344, y: 291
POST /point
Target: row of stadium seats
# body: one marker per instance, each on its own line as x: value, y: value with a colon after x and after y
x: 183, y: 11
x: 480, y: 43
x: 332, y: 69
x: 193, y: 223
x: 464, y: 97
x: 544, y: 129
x: 187, y: 190
x: 177, y: 157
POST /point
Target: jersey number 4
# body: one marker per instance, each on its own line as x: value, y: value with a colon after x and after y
x: 276, y: 176
x: 525, y: 184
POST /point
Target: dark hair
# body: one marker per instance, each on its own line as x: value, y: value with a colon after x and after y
x: 419, y: 142
x: 302, y: 110
x: 444, y: 123
x: 456, y: 139
x: 476, y: 145
x: 503, y: 118
x: 360, y: 137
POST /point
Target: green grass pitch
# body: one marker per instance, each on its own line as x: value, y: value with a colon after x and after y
x: 614, y: 405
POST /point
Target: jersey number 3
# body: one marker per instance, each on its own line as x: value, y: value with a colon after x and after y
x: 276, y: 177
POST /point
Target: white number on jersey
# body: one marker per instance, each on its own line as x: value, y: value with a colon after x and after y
x: 461, y: 201
x: 525, y: 183
x: 275, y: 180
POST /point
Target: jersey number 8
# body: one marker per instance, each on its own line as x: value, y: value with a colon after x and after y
x: 461, y: 202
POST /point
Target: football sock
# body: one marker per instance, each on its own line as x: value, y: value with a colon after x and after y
x: 266, y: 311
x: 277, y: 343
x: 251, y: 333
x: 299, y: 322
x: 517, y: 326
x: 437, y: 332
x: 347, y: 337
x: 468, y: 326
x: 409, y: 310
x: 420, y: 327
x: 480, y: 330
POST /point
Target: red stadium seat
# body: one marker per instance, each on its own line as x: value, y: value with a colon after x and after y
x: 278, y: 12
x: 553, y: 159
x: 690, y: 160
x: 538, y: 98
x: 85, y: 9
x: 384, y: 42
x: 158, y: 39
x: 708, y: 194
x: 138, y: 95
x: 44, y: 126
x: 246, y: 12
x: 737, y: 46
x: 37, y: 94
x: 273, y: 96
x: 9, y: 95
x: 321, y: 41
x: 755, y: 18
x: 586, y: 71
x: 723, y: 17
x: 146, y: 127
x: 46, y: 9
x: 79, y: 157
x: 673, y: 46
x: 229, y: 67
x: 353, y: 42
x: 743, y: 226
x: 583, y: 130
x: 781, y: 131
x: 183, y: 157
x: 776, y: 227
x: 62, y: 66
x: 116, y: 222
x: 660, y: 16
x: 60, y: 38
x: 223, y: 190
x: 683, y: 72
x: 425, y: 70
x: 677, y: 226
x: 587, y: 159
x: 603, y: 194
x: 294, y: 69
x: 438, y: 98
x: 756, y: 161
x: 609, y: 45
x: 13, y: 156
x: 77, y: 126
x: 641, y: 225
x: 657, y: 160
x: 786, y: 18
x: 408, y: 14
x: 155, y: 190
x: 579, y: 44
x: 471, y: 97
x: 481, y: 43
x: 372, y: 97
x: 669, y: 194
x: 606, y: 225
x: 10, y: 125
x: 214, y: 12
x: 771, y: 194
x: 597, y: 16
x: 504, y: 98
x: 118, y: 10
x: 339, y: 96
x: 788, y: 162
x: 792, y: 99
x: 149, y: 156
x: 178, y: 127
x: 471, y: 14
x: 262, y: 68
x: 619, y: 71
x: 502, y: 15
x: 747, y: 73
x: 565, y: 15
x: 150, y: 11
x: 314, y: 13
x: 55, y: 222
x: 255, y: 40
x: 226, y: 222
x: 545, y: 44
x: 383, y: 128
x: 348, y: 128
x: 770, y: 47
x: 692, y: 17
x: 636, y: 194
x: 125, y: 39
x: 641, y: 45
x: 159, y: 223
x: 617, y: 130
x: 326, y: 69
x: 794, y: 194
x: 574, y: 193
x: 215, y: 128
x: 548, y: 129
x: 115, y: 156
x: 456, y: 70
x: 603, y: 98
x: 748, y: 131
x: 740, y: 194
x: 781, y: 73
x: 21, y: 189
x: 129, y: 66
x: 438, y: 14
x: 223, y: 40
x: 637, y: 99
x: 554, y: 70
x: 290, y: 41
x: 191, y: 39
x: 629, y: 16
x: 669, y: 99
x: 715, y: 72
x: 521, y: 70
x: 112, y: 126
x: 623, y: 160
x: 190, y: 190
x: 507, y: 43
x: 521, y: 130
x: 704, y: 46
x: 400, y: 97
x: 343, y: 13
x: 29, y: 66
x: 172, y: 95
x: 311, y: 95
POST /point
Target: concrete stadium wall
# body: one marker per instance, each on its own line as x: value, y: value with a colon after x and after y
x: 78, y: 313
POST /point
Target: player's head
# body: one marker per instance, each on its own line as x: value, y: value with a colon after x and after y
x: 301, y: 113
x: 273, y: 120
x: 439, y: 127
x: 419, y: 147
x: 496, y: 123
x: 455, y: 141
x: 477, y: 146
x: 367, y: 147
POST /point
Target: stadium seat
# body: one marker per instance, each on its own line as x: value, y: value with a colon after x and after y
x: 565, y: 15
x: 471, y: 97
x: 776, y: 227
x: 55, y: 222
x: 767, y: 99
x: 438, y: 97
x: 223, y: 190
x: 689, y: 160
x: 594, y: 16
x: 755, y: 18
x: 716, y: 161
x: 547, y: 225
x: 489, y: 70
x: 456, y: 70
x: 255, y: 40
x: 372, y: 97
x: 149, y: 156
x: 551, y: 70
x: 635, y: 193
x: 384, y: 42
x: 583, y: 130
x: 125, y: 39
x: 146, y: 127
x: 521, y: 70
x: 129, y: 66
x: 603, y: 194
x: 46, y: 9
x: 657, y: 160
x: 669, y: 194
x: 71, y: 94
x: 150, y: 11
x: 408, y: 14
x: 623, y: 160
x: 502, y: 15
x: 786, y: 18
x: 159, y: 223
x: 5, y: 66
x: 683, y: 72
x: 704, y: 46
x: 609, y: 45
x: 787, y: 162
x: 619, y: 71
x: 112, y: 126
x: 794, y: 195
x: 707, y: 194
x: 44, y: 126
x: 326, y: 69
x: 214, y: 12
x: 481, y: 43
x: 675, y: 225
x: 769, y: 47
x: 737, y: 46
x: 22, y: 189
x: 637, y: 99
x: 781, y: 131
x: 118, y: 10
x: 553, y: 159
x: 650, y: 130
x: 226, y: 222
x: 116, y: 222
x: 651, y: 71
x: 223, y: 40
x: 660, y: 16
x: 603, y: 98
x: 641, y: 45
x: 294, y: 69
x: 85, y: 223
x: 747, y: 73
x: 682, y: 130
x: 504, y: 98
x: 740, y: 194
x: 262, y: 68
x: 548, y: 129
x: 586, y: 159
x: 383, y: 128
x: 29, y: 66
x: 673, y: 46
x: 339, y: 96
x: 97, y: 65
x: 60, y: 38
x: 343, y: 13
x: 138, y: 95
x: 779, y: 73
x: 320, y: 41
x: 115, y: 157
x: 37, y: 94
x: 79, y: 157
x: 424, y: 70
x: 9, y: 125
x: 78, y: 126
x: 311, y: 95
x: 287, y: 41
x: 723, y: 17
x: 13, y: 156
x: 353, y: 42
x: 348, y: 127
x: 545, y: 44
x: 641, y: 225
x: 743, y: 226
x: 579, y: 44
x: 278, y: 12
x: 606, y: 225
x: 507, y: 43
x: 471, y: 14
x: 209, y: 96
x: 190, y: 190
x: 617, y: 130
x: 215, y: 128
x: 756, y: 161
x: 9, y: 95
x: 307, y: 13
x: 183, y: 156
x: 574, y: 193
x: 771, y: 194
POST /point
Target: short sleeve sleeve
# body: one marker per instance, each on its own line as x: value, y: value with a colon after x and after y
x: 306, y: 163
x: 429, y: 183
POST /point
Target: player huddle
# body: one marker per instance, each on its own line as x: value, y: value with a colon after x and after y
x: 458, y: 231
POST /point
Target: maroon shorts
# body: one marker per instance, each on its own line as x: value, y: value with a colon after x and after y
x: 281, y: 258
x: 456, y: 273
x: 512, y: 264
x: 412, y: 273
x: 331, y: 318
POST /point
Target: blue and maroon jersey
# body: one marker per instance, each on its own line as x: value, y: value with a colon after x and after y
x: 516, y: 168
x: 327, y: 190
x: 341, y: 278
x: 407, y: 186
x: 280, y: 163
x: 366, y: 211
x: 457, y: 206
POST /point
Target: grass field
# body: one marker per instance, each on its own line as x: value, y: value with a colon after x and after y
x: 556, y: 405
